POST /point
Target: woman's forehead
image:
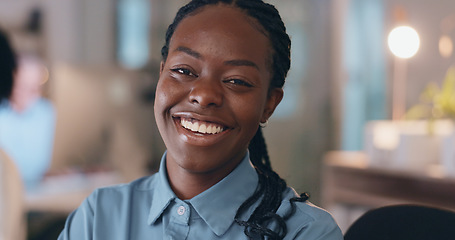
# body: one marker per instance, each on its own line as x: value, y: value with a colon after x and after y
x: 224, y: 29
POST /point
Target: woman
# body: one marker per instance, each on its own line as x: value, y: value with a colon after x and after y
x: 11, y: 207
x: 27, y: 120
x: 221, y: 77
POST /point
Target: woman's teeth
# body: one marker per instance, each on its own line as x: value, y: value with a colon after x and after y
x: 201, y: 127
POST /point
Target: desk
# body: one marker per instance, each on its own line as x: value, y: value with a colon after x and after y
x: 348, y: 181
x: 64, y: 193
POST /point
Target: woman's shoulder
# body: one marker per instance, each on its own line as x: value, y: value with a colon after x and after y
x: 303, y: 209
x: 308, y: 219
x: 124, y: 190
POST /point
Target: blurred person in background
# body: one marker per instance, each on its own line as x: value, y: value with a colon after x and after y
x: 11, y: 218
x: 27, y: 121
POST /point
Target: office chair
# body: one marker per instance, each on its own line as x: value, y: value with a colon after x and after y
x: 403, y: 222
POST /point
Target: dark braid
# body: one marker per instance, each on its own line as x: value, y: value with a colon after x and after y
x: 7, y: 67
x: 271, y: 186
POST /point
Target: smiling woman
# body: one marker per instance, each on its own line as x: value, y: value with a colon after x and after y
x: 214, y: 78
x: 222, y: 72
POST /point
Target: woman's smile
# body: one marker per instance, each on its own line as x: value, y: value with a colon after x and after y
x: 199, y: 130
x: 201, y: 127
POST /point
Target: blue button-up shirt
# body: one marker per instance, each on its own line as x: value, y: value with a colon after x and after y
x: 28, y: 138
x: 148, y: 209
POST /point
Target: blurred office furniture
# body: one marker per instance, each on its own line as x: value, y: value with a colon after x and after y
x: 412, y: 145
x: 63, y: 193
x: 351, y: 186
x: 50, y: 202
x: 103, y: 120
x: 12, y: 215
x: 399, y: 222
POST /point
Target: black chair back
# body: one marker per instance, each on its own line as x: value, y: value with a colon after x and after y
x: 403, y: 222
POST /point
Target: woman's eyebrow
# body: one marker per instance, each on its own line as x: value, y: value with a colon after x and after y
x: 235, y: 62
x: 241, y: 62
x: 189, y: 52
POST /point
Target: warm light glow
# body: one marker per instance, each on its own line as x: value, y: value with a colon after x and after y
x: 404, y: 42
x: 445, y: 46
x: 386, y: 135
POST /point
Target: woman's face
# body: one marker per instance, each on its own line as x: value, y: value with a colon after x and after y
x: 28, y: 81
x: 214, y: 90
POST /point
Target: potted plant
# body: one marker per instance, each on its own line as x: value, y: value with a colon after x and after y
x: 424, y: 138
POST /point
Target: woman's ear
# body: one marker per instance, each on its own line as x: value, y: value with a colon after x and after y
x: 274, y: 98
x: 161, y: 67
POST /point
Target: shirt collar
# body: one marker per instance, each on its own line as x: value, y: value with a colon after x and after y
x: 162, y: 193
x: 217, y: 205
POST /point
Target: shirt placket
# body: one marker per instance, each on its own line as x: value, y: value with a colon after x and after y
x: 178, y: 227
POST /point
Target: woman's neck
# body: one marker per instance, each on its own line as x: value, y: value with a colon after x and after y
x: 187, y: 185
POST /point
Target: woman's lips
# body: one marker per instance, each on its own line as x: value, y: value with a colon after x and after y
x: 197, y: 132
x: 202, y: 127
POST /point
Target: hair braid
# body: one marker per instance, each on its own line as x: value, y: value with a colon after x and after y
x: 269, y: 17
x: 269, y: 191
x: 270, y: 186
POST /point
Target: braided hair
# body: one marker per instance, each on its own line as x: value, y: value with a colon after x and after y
x: 7, y: 67
x: 271, y: 186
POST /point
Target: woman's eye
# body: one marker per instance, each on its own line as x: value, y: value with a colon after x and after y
x: 238, y: 82
x: 184, y: 71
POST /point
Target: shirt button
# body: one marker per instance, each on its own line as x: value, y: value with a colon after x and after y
x: 181, y: 210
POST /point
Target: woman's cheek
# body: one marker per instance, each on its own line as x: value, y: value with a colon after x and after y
x: 166, y: 93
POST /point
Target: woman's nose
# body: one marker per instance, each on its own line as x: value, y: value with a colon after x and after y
x: 206, y: 93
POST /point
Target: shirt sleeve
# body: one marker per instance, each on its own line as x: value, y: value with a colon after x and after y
x: 79, y: 224
x: 322, y: 229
